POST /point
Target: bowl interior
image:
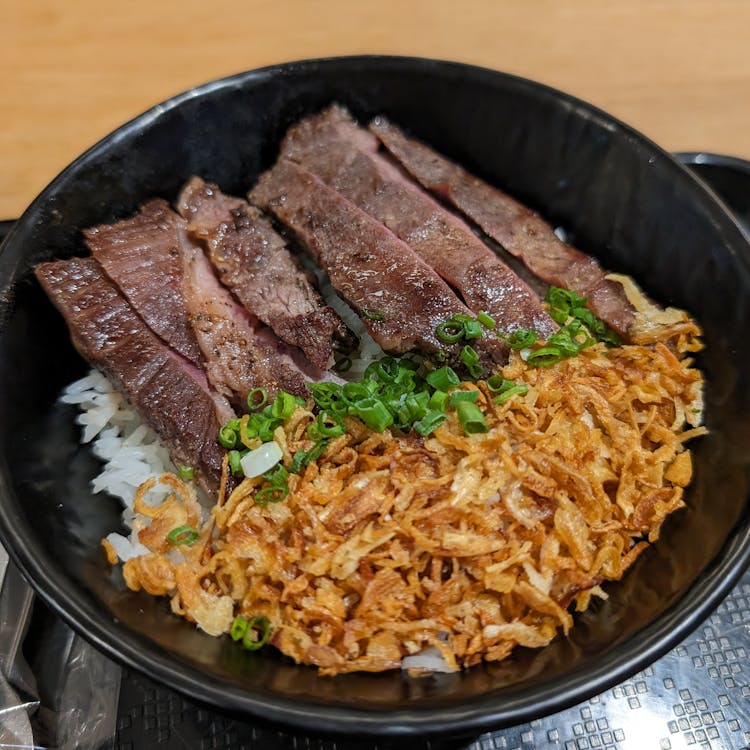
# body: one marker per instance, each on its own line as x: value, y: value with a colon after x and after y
x: 620, y: 197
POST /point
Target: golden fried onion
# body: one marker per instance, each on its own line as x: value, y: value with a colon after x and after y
x: 468, y: 544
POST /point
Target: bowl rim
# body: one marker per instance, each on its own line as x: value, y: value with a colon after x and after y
x: 481, y: 713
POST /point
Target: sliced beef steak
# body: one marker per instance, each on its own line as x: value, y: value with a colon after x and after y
x: 169, y: 392
x: 141, y: 254
x: 254, y: 262
x: 400, y: 299
x: 345, y: 156
x: 519, y: 230
x: 239, y: 355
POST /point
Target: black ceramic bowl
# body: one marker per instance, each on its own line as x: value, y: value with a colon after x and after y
x: 622, y: 198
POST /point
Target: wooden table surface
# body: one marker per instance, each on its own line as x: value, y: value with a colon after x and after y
x: 678, y: 70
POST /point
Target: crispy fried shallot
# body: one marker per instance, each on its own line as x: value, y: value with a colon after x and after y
x: 460, y: 546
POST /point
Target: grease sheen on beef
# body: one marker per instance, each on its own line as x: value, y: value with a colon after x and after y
x: 142, y: 255
x: 169, y: 392
x: 345, y: 156
x: 400, y: 299
x: 252, y: 260
x: 521, y: 231
x: 239, y: 355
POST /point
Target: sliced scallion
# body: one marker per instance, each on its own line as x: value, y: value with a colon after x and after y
x: 473, y: 329
x: 183, y: 536
x: 373, y: 413
x: 450, y: 331
x: 513, y: 390
x: 186, y: 473
x: 456, y: 396
x: 257, y: 634
x: 284, y: 405
x: 238, y: 629
x: 471, y: 418
x: 429, y: 422
x: 270, y: 494
x: 257, y: 398
x: 486, y: 320
x: 227, y: 437
x: 234, y: 462
x: 521, y: 338
x: 443, y: 379
x: 261, y: 459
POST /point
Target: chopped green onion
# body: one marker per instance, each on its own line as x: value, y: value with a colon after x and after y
x: 373, y: 413
x: 261, y: 459
x: 302, y: 458
x: 443, y: 378
x: 438, y: 401
x: 252, y: 633
x: 234, y: 462
x: 227, y: 437
x: 472, y: 329
x: 486, y: 320
x: 324, y: 394
x: 545, y: 357
x: 373, y: 313
x: 298, y: 461
x: 461, y: 317
x: 497, y: 383
x: 469, y: 356
x: 257, y: 634
x: 476, y: 371
x: 186, y: 473
x: 429, y: 422
x: 183, y: 535
x: 559, y: 316
x: 270, y: 494
x: 257, y: 398
x: 514, y: 390
x: 239, y: 628
x: 386, y: 369
x: 564, y: 304
x: 564, y: 299
x: 521, y: 338
x: 417, y: 404
x: 322, y: 427
x: 284, y: 405
x: 266, y: 430
x: 277, y: 477
x: 456, y: 396
x: 450, y: 331
x: 471, y: 418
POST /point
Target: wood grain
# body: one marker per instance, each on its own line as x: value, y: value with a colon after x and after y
x: 678, y: 70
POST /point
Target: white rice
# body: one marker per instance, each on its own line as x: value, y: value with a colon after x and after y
x: 429, y: 659
x: 130, y: 450
x: 368, y: 350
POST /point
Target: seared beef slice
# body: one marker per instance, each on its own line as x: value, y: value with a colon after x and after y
x: 239, y: 354
x: 400, y: 299
x: 141, y: 254
x: 519, y: 230
x: 169, y: 392
x: 254, y: 262
x: 345, y: 156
